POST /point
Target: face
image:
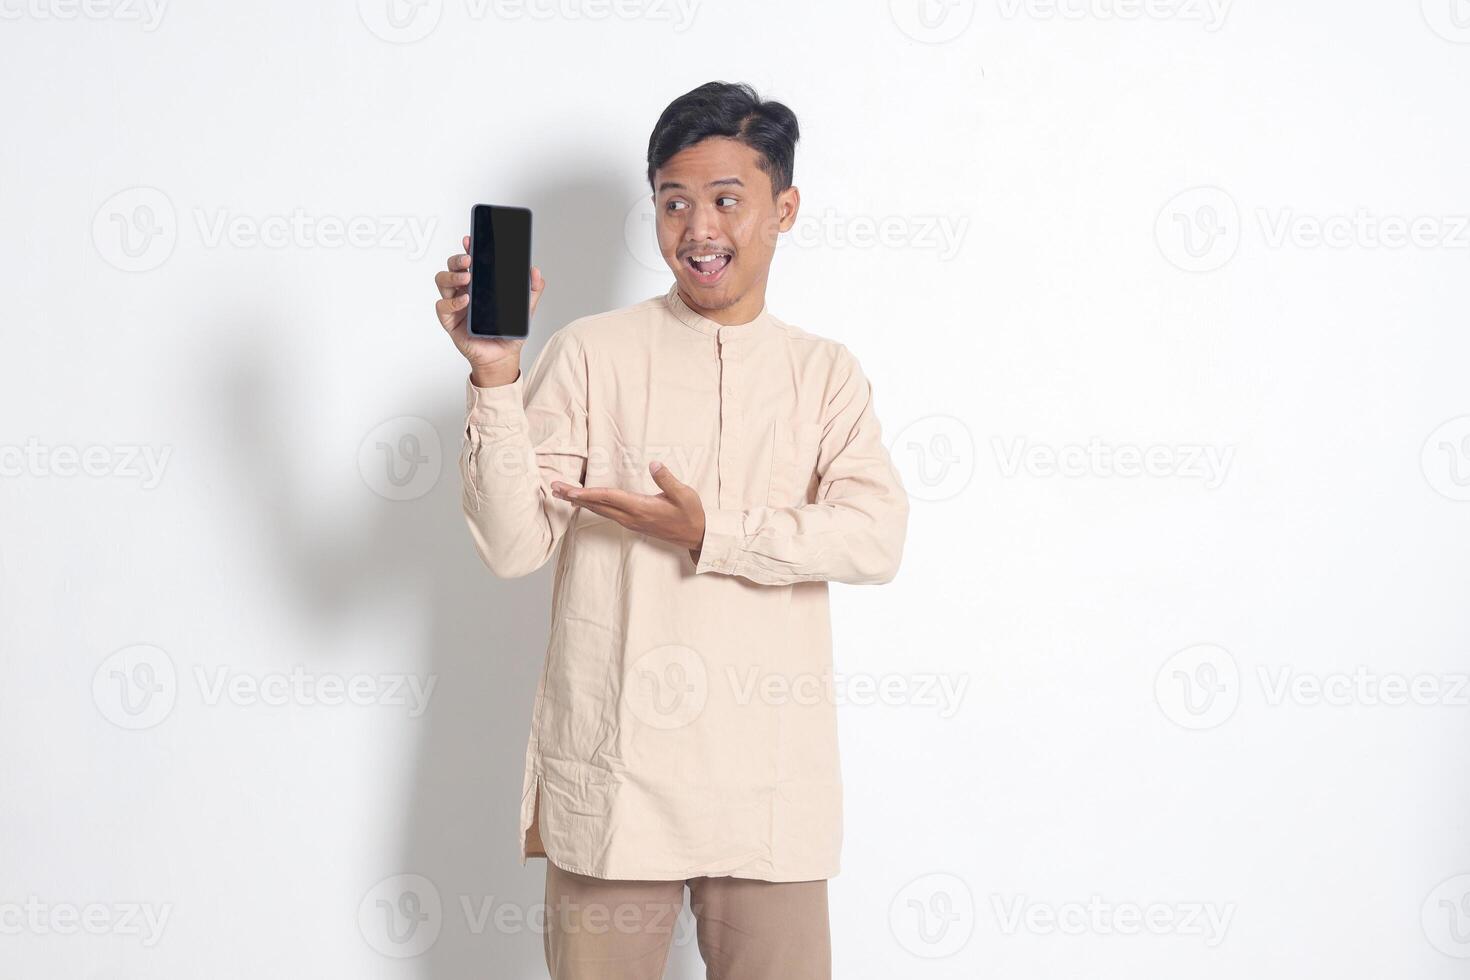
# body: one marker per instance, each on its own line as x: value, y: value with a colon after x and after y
x: 717, y: 223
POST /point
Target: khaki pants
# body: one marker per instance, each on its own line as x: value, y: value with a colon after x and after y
x: 600, y: 929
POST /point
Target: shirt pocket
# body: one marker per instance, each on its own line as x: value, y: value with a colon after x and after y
x: 794, y: 452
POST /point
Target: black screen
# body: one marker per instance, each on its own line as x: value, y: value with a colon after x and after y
x: 500, y: 271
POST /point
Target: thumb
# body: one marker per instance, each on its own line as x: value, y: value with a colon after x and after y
x: 664, y: 477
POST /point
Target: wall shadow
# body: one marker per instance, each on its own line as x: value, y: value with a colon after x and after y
x: 484, y: 639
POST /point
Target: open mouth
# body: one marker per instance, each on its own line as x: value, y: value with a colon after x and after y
x: 708, y: 267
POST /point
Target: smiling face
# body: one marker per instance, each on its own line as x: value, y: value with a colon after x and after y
x: 717, y: 223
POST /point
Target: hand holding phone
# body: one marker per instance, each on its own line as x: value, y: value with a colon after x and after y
x: 493, y: 360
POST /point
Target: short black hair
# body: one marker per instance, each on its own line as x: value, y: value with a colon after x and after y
x: 730, y: 109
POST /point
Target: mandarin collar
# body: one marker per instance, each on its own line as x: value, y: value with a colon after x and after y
x: 724, y: 331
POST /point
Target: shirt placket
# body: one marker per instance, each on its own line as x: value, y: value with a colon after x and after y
x: 731, y: 421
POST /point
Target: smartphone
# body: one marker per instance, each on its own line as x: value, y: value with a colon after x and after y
x: 500, y: 271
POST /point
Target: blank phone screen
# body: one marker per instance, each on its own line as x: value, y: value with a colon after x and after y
x: 500, y: 271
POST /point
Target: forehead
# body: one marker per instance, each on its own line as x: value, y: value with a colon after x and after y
x: 711, y: 159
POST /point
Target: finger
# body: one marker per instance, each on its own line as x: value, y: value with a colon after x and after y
x: 458, y: 263
x: 665, y: 479
x: 538, y: 285
x: 451, y: 283
x: 466, y: 240
x: 451, y: 310
x: 625, y: 500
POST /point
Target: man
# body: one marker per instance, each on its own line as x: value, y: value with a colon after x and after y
x: 684, y: 732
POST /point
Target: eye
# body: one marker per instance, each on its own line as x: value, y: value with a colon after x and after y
x: 722, y: 199
x: 674, y: 204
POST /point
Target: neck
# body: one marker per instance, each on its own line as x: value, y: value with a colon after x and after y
x: 743, y: 310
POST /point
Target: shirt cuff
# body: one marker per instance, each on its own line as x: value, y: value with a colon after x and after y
x: 501, y: 405
x: 724, y: 537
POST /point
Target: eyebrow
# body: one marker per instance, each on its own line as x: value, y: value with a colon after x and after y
x: 670, y: 185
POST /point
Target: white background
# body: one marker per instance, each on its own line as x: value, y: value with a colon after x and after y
x: 1097, y: 238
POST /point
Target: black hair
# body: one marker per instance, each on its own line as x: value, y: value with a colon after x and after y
x: 733, y: 110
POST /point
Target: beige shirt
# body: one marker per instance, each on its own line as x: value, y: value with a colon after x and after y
x: 684, y: 723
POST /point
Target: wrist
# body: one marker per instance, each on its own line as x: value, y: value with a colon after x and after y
x: 495, y: 375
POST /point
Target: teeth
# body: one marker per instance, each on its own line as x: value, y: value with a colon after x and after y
x: 707, y: 258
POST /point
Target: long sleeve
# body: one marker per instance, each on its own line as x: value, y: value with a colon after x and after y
x: 855, y: 530
x: 519, y: 437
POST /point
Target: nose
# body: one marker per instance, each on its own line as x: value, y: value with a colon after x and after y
x: 702, y: 225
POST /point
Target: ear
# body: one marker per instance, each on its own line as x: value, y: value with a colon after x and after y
x: 788, y: 203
